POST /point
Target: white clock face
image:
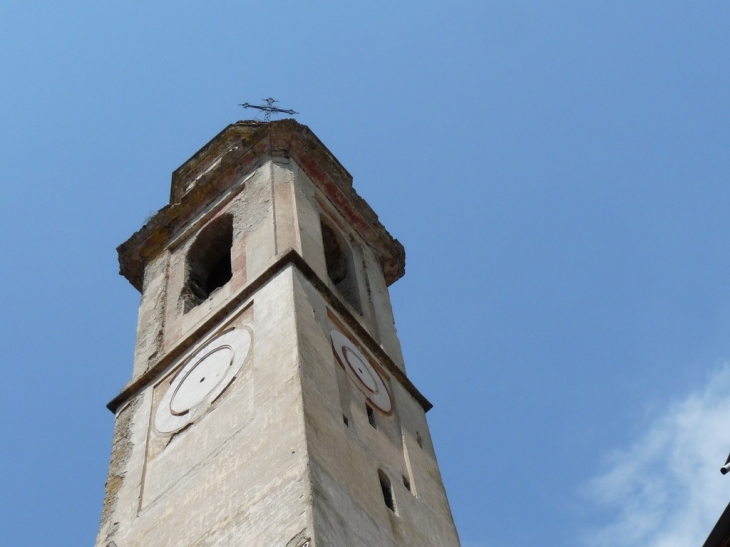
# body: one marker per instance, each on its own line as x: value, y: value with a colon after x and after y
x: 361, y: 371
x: 203, y: 378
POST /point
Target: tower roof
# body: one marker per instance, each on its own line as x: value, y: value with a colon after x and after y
x: 234, y: 152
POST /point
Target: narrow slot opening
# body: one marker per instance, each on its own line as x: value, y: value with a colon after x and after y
x: 345, y: 420
x: 387, y: 490
x: 408, y: 479
x: 419, y: 439
x: 371, y: 416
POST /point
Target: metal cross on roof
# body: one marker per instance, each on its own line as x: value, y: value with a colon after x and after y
x: 269, y: 108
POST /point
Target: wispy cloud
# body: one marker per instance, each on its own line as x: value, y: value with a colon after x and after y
x: 666, y: 489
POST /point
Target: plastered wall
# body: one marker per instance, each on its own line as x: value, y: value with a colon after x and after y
x: 239, y: 472
x: 271, y: 461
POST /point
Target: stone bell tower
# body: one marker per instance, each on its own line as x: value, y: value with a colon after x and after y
x: 269, y: 403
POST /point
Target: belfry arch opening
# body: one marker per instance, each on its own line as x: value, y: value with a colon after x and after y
x: 208, y: 262
x: 340, y: 262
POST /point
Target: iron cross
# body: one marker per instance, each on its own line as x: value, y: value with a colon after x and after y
x: 269, y: 108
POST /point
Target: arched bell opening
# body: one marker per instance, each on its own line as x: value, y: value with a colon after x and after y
x: 208, y: 262
x: 338, y: 256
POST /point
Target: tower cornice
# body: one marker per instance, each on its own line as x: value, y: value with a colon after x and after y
x: 236, y: 151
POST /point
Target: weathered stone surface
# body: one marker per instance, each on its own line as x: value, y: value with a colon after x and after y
x: 345, y: 459
x: 232, y: 154
x: 294, y: 450
x: 121, y: 450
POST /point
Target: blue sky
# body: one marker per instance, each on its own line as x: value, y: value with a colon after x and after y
x: 557, y: 172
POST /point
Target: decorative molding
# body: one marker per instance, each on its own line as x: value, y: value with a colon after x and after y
x: 232, y: 155
x: 289, y: 258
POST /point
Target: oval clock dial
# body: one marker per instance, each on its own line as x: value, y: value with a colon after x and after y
x: 364, y: 375
x: 202, y: 379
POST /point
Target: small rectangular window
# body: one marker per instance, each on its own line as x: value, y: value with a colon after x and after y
x: 387, y: 490
x: 371, y: 416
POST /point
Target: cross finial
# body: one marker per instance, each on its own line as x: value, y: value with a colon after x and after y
x: 268, y: 108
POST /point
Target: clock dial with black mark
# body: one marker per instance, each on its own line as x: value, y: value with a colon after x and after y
x: 205, y: 375
x: 362, y: 372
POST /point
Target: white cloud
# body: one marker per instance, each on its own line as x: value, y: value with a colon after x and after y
x: 666, y: 489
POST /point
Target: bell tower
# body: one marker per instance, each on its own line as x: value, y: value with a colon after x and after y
x: 269, y: 403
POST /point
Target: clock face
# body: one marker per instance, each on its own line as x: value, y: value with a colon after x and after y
x: 202, y: 379
x: 364, y: 375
